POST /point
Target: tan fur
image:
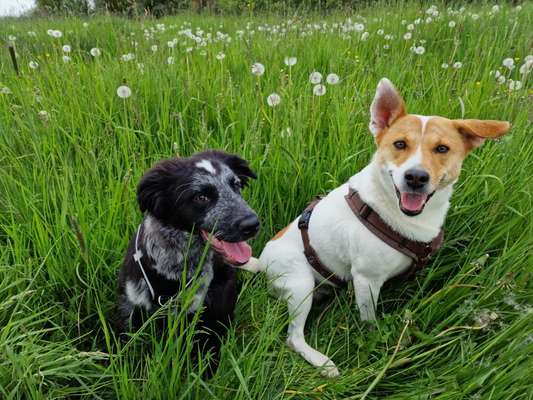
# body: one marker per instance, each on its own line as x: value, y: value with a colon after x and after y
x: 280, y: 233
x: 460, y: 136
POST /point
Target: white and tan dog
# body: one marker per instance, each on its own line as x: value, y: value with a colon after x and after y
x: 408, y: 183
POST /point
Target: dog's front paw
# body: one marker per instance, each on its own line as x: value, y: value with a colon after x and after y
x: 329, y: 370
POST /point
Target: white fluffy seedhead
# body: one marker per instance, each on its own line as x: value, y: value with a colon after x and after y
x: 386, y: 107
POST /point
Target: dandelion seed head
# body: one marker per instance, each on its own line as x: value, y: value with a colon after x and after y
x: 170, y: 60
x: 319, y: 90
x: 123, y: 92
x: 515, y: 85
x: 332, y: 79
x: 220, y: 56
x: 43, y: 115
x: 290, y: 61
x: 66, y: 59
x: 451, y: 24
x: 54, y: 33
x: 127, y: 57
x: 33, y: 64
x: 258, y: 69
x: 286, y: 133
x: 273, y: 99
x: 95, y: 52
x: 419, y: 50
x: 508, y: 63
x: 407, y: 35
x: 444, y: 65
x: 457, y: 64
x: 526, y: 67
x: 66, y: 48
x: 315, y: 77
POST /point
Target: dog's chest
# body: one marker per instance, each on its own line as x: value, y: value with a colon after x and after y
x: 180, y: 257
x: 347, y: 247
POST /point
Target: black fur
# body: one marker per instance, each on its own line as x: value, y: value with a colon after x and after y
x: 180, y: 197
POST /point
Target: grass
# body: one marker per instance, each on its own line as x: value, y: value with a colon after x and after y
x: 461, y: 330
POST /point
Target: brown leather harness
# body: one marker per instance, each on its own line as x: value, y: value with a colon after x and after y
x: 419, y: 252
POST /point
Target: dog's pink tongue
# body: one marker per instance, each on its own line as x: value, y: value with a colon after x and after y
x: 413, y: 201
x: 237, y: 253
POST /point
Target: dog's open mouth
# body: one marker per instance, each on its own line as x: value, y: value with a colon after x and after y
x: 412, y: 203
x: 236, y: 253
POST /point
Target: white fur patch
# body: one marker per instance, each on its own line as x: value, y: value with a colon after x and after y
x: 424, y: 119
x: 138, y: 293
x: 206, y: 165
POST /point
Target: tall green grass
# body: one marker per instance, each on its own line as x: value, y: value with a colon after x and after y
x: 461, y: 330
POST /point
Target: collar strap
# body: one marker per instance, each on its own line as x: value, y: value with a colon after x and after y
x: 309, y: 251
x: 419, y: 252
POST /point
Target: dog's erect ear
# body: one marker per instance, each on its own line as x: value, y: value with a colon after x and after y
x: 153, y: 190
x: 386, y: 107
x: 476, y: 131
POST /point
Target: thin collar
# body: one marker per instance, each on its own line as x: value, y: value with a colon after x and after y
x: 137, y: 257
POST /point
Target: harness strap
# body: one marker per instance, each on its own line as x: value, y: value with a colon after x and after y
x: 419, y: 252
x: 309, y: 251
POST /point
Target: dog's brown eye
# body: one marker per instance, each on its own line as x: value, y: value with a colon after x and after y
x: 400, y: 144
x: 201, y: 199
x: 441, y: 149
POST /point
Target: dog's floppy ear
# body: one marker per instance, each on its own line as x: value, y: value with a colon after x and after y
x: 239, y: 166
x: 476, y: 131
x: 153, y: 189
x: 386, y: 107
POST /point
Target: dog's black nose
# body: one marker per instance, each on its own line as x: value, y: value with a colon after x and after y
x: 416, y: 178
x: 249, y: 225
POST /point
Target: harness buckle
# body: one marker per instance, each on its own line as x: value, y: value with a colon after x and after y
x: 303, y: 222
x: 365, y: 211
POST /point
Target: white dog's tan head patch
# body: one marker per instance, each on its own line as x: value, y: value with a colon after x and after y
x: 422, y: 154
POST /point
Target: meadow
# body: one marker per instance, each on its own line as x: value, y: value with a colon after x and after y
x: 99, y: 100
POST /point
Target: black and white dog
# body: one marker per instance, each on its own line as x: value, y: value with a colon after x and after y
x: 188, y: 202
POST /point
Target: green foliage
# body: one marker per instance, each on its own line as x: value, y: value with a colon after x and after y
x: 63, y: 6
x: 68, y: 208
